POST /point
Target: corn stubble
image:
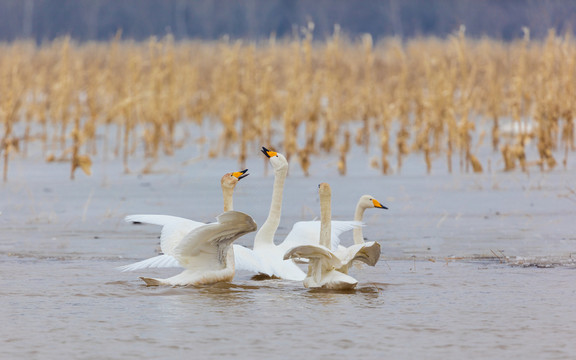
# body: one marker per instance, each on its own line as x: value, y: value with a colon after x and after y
x: 438, y: 98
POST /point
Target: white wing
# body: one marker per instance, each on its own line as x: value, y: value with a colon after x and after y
x: 314, y: 253
x: 160, y: 261
x: 174, y: 228
x: 308, y: 233
x: 206, y: 247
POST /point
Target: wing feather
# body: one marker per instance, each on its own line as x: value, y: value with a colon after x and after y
x: 368, y: 253
x: 160, y: 261
x: 174, y: 228
x: 314, y: 253
x: 215, y: 236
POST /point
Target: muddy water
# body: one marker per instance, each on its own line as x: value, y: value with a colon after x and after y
x: 80, y: 308
x: 477, y: 266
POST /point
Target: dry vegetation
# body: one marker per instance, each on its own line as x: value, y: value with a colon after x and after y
x: 423, y: 96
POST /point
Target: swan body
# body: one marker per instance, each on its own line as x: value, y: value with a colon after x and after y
x: 175, y: 228
x: 263, y: 261
x: 329, y: 269
x: 271, y: 256
x: 204, y: 252
x: 322, y: 268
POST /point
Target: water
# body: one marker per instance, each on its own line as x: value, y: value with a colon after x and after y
x: 82, y: 309
x: 480, y: 266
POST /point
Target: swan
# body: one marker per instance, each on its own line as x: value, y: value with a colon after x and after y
x: 265, y: 251
x: 365, y: 202
x: 204, y: 252
x: 174, y: 228
x: 329, y: 269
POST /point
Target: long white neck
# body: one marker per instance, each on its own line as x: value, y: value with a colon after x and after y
x: 227, y: 193
x: 358, y: 215
x: 265, y: 236
x: 325, y: 220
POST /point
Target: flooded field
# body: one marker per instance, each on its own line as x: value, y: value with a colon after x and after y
x: 82, y: 309
x: 477, y: 265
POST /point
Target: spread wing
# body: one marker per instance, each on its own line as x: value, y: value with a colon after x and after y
x: 308, y: 233
x: 206, y: 246
x: 314, y: 253
x: 368, y: 253
x: 160, y: 261
x: 174, y: 228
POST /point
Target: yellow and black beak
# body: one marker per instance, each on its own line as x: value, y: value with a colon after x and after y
x: 240, y: 174
x: 378, y: 205
x: 268, y: 153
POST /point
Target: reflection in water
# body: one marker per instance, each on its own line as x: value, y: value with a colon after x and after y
x: 368, y: 293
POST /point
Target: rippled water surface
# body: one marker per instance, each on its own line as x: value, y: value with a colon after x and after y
x: 475, y: 266
x: 58, y: 308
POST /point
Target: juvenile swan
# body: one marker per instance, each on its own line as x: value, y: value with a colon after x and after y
x: 328, y: 269
x: 175, y: 228
x: 204, y: 252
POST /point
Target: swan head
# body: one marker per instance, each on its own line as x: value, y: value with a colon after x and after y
x: 277, y: 160
x: 368, y: 202
x: 230, y: 179
x: 324, y: 189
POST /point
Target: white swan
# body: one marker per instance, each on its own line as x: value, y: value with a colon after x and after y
x: 174, y: 228
x: 365, y: 202
x: 270, y: 255
x: 204, y: 252
x: 328, y: 269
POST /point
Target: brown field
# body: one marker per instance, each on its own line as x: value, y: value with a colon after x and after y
x: 423, y: 96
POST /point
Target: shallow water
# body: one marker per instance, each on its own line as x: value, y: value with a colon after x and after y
x: 83, y: 309
x: 474, y: 265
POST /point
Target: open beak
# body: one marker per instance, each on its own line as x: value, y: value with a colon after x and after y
x: 378, y: 205
x: 240, y: 174
x: 268, y: 153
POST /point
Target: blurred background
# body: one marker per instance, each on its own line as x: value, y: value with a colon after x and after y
x: 254, y: 19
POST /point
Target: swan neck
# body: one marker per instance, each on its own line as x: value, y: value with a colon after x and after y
x: 325, y: 220
x: 265, y: 236
x: 357, y: 232
x: 227, y: 193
